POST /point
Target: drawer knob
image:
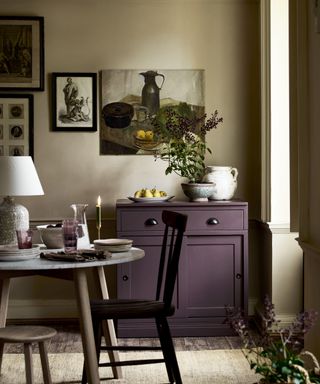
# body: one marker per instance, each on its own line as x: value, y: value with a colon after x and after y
x: 151, y: 222
x: 125, y: 277
x: 213, y: 221
x: 238, y: 276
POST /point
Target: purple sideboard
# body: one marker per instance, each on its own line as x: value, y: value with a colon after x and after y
x: 213, y: 270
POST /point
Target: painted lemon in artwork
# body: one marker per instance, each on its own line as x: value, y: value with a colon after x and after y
x: 149, y: 135
x: 141, y: 134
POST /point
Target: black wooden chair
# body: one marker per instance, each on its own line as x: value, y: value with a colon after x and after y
x: 159, y: 309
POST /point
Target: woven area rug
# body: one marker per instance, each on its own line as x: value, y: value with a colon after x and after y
x: 208, y: 366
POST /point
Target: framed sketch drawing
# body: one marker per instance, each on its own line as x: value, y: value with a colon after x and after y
x: 16, y: 125
x: 74, y: 97
x: 21, y: 53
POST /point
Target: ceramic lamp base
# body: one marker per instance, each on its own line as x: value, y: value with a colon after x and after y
x: 13, y: 216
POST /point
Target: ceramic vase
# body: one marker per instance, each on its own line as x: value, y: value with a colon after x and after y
x: 225, y: 180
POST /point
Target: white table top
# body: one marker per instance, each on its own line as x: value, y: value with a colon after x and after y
x: 44, y: 264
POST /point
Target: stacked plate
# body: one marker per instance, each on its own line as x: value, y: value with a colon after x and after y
x: 113, y: 245
x: 13, y: 253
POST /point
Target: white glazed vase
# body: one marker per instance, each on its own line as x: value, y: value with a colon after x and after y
x: 225, y: 180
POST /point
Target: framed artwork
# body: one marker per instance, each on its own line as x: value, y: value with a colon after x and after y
x: 21, y: 53
x: 74, y: 97
x: 130, y: 99
x: 16, y: 125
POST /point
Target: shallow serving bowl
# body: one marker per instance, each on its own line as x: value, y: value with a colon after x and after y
x: 51, y: 237
x: 113, y: 245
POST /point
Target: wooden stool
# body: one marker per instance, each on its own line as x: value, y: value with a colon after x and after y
x: 28, y: 335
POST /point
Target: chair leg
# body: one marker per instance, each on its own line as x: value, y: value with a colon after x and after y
x: 170, y: 350
x: 1, y: 354
x: 45, y: 363
x: 28, y: 363
x: 166, y: 353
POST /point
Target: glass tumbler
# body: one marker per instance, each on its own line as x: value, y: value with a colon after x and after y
x: 70, y: 235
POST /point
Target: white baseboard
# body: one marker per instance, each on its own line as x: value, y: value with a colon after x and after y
x: 42, y: 309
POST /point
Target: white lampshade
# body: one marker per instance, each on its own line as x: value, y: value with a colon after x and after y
x: 18, y: 177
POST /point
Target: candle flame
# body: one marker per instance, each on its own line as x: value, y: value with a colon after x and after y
x: 99, y: 201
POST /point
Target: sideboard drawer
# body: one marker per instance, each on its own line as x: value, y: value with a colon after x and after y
x: 141, y: 220
x: 216, y: 219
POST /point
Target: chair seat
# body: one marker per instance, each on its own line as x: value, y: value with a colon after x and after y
x: 26, y: 334
x: 129, y: 309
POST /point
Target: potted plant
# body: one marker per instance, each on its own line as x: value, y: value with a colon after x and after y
x: 276, y: 353
x: 182, y: 135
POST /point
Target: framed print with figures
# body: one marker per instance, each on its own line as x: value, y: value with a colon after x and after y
x: 21, y: 53
x: 74, y: 97
x: 16, y: 125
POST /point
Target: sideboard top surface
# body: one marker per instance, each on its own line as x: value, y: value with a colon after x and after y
x: 182, y: 203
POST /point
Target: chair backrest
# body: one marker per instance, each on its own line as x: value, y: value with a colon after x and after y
x: 175, y: 226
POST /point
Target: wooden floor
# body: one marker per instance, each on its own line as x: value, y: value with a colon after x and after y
x: 68, y: 340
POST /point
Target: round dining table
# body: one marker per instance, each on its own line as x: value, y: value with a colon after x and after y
x: 76, y: 271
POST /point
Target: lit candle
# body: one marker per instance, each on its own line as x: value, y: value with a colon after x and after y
x: 98, y: 215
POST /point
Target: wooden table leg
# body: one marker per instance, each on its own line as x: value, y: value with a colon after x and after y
x: 89, y: 350
x: 108, y: 326
x: 4, y: 299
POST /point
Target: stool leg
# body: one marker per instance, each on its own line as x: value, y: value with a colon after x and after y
x: 45, y: 363
x: 1, y: 354
x: 28, y: 362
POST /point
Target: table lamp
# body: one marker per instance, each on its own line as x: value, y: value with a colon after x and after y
x: 18, y: 177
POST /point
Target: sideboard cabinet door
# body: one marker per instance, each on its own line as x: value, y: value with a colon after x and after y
x: 211, y: 271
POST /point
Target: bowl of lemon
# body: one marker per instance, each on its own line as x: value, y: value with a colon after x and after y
x: 145, y: 139
x: 150, y: 195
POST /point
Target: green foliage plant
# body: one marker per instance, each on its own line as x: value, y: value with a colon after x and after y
x: 183, y: 137
x: 276, y: 353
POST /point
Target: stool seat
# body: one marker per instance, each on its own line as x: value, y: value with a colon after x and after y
x: 27, y: 335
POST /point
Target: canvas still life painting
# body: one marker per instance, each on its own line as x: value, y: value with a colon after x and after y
x: 131, y: 100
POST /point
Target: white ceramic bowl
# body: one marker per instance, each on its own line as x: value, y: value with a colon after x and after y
x: 51, y: 237
x: 113, y: 245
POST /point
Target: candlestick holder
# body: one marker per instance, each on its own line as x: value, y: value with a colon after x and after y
x: 98, y: 229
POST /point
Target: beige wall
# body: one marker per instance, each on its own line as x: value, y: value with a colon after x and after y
x: 221, y: 37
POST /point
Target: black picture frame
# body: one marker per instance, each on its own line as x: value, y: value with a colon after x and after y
x: 16, y: 125
x: 74, y: 102
x: 22, y: 53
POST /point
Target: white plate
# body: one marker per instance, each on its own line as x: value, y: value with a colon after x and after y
x: 13, y: 250
x: 113, y: 245
x: 150, y: 199
x: 19, y: 257
x: 13, y: 253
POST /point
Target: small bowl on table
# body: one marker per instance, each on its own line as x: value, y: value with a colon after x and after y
x: 51, y: 236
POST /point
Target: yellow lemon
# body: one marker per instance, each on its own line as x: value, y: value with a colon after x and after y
x: 138, y: 193
x: 156, y: 193
x: 148, y: 193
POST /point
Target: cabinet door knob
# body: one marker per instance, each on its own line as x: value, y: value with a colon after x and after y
x: 125, y: 277
x: 238, y: 276
x: 213, y: 221
x: 151, y: 222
